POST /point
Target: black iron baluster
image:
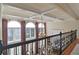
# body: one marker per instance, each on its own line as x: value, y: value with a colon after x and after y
x: 15, y: 50
x: 60, y: 43
x: 48, y: 43
x: 46, y: 46
x: 42, y: 43
x: 39, y: 48
x: 32, y: 48
x: 71, y: 36
x: 75, y: 34
x: 27, y: 49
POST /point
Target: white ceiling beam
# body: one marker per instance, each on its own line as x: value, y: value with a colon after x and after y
x: 61, y: 6
x: 48, y: 11
x: 43, y: 13
x: 33, y: 16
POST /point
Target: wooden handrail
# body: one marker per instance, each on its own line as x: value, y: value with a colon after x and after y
x: 26, y: 42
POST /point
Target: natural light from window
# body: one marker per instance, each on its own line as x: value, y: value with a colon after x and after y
x: 14, y: 31
x: 30, y: 30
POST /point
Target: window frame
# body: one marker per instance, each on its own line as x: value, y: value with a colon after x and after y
x: 13, y: 28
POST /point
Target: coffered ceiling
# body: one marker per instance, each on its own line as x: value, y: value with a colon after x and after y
x: 40, y: 10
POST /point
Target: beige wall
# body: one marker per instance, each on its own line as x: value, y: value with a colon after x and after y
x: 64, y: 25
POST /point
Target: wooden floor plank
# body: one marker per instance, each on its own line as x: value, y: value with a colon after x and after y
x: 71, y: 47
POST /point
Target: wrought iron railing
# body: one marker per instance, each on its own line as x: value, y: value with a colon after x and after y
x: 50, y: 45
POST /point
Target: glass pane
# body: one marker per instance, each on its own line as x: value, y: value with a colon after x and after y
x: 32, y: 32
x: 42, y: 30
x: 10, y: 34
x: 39, y: 30
x: 27, y: 32
x: 17, y: 33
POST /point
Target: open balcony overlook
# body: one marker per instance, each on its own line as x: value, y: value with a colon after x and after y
x: 39, y: 29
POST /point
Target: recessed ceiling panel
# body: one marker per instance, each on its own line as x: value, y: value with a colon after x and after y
x: 10, y: 10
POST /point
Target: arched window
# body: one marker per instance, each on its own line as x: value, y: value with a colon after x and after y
x: 30, y: 30
x: 14, y: 35
x: 14, y: 30
x: 30, y: 34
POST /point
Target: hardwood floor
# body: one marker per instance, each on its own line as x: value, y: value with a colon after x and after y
x: 75, y: 51
x: 78, y: 40
x: 71, y: 47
